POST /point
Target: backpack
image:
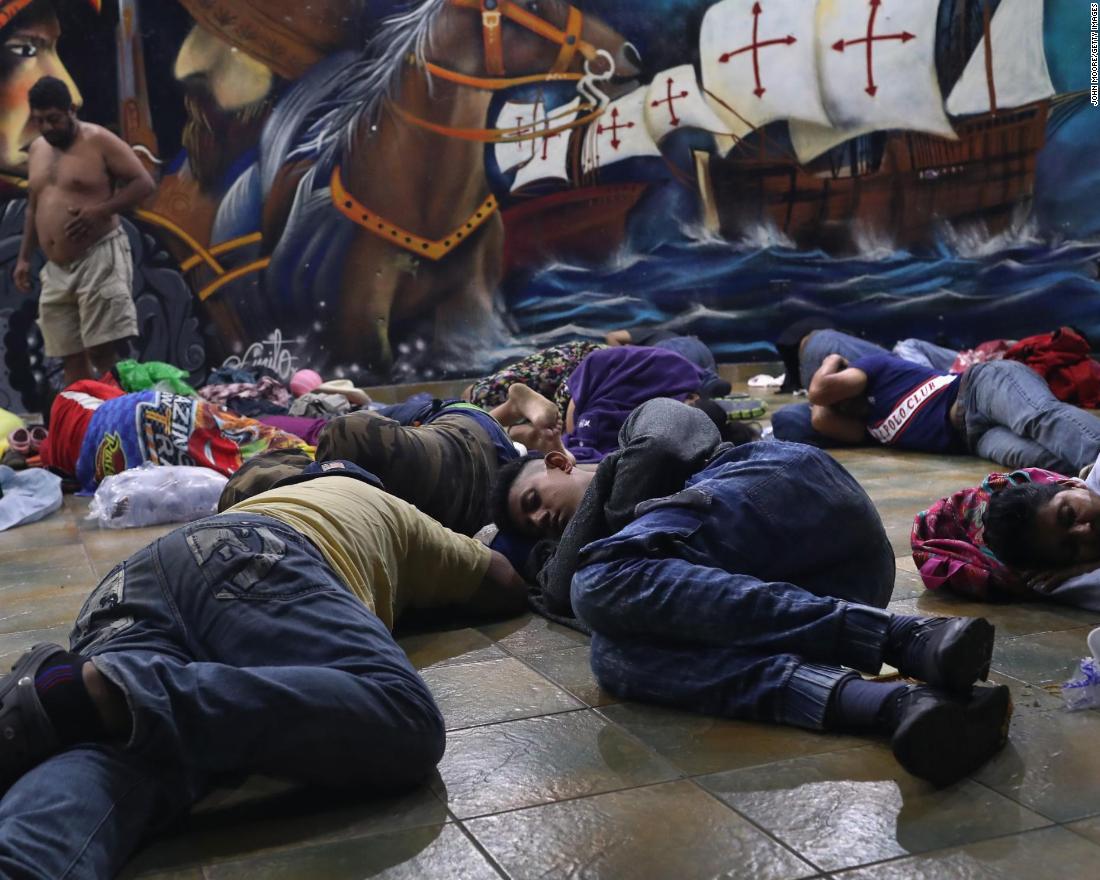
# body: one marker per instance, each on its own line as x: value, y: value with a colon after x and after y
x: 948, y: 545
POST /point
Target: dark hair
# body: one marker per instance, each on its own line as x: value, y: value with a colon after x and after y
x: 50, y: 93
x: 502, y: 487
x: 732, y: 431
x: 1010, y: 524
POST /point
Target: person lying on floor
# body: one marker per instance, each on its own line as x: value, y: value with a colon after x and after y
x: 607, y: 386
x: 676, y: 553
x: 440, y: 456
x: 546, y: 371
x: 97, y: 430
x: 257, y: 640
x: 804, y: 357
x: 1050, y: 534
x: 1001, y: 410
x: 690, y: 347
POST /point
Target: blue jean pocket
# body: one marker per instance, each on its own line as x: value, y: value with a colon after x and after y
x: 246, y: 561
x: 100, y: 618
x: 664, y: 532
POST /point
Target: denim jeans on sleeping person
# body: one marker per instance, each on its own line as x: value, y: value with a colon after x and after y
x: 692, y: 348
x: 743, y: 594
x: 238, y: 649
x: 823, y: 343
x: 794, y: 423
x: 1012, y: 418
x: 925, y: 353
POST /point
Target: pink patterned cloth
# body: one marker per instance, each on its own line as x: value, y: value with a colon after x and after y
x: 266, y: 389
x: 993, y: 350
x: 948, y: 540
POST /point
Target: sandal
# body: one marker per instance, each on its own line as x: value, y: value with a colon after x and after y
x: 38, y: 436
x: 20, y: 440
x: 25, y: 729
x: 742, y: 409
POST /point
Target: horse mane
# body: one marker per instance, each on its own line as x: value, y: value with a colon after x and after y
x: 358, y: 90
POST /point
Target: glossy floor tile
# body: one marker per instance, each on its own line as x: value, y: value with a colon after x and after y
x: 848, y: 808
x: 655, y: 833
x: 546, y: 775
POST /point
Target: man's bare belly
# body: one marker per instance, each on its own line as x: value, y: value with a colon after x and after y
x: 53, y: 212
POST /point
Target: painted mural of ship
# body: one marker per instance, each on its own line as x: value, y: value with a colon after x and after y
x: 839, y: 121
x: 564, y: 206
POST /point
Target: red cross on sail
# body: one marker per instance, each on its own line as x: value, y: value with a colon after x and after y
x: 758, y: 62
x: 620, y: 133
x: 549, y: 151
x: 877, y: 65
x: 523, y: 117
x: 674, y: 101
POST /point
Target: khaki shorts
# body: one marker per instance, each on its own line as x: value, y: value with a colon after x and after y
x: 89, y: 301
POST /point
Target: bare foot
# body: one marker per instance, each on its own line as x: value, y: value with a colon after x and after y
x: 524, y: 404
x: 539, y: 411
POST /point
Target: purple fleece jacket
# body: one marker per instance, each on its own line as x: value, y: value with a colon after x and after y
x: 611, y: 382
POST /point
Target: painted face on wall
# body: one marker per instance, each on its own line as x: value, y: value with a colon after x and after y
x: 228, y: 95
x: 28, y: 52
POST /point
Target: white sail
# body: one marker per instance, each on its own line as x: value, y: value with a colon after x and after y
x: 674, y: 101
x: 1020, y: 73
x: 877, y: 64
x: 620, y: 133
x: 758, y: 62
x: 810, y: 140
x: 549, y: 158
x: 521, y: 116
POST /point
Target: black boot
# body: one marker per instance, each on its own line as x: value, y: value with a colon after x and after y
x: 948, y: 652
x: 943, y: 737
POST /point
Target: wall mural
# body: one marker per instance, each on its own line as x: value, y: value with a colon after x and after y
x: 394, y: 190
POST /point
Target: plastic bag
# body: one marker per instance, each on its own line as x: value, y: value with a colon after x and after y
x: 1083, y: 691
x: 154, y: 494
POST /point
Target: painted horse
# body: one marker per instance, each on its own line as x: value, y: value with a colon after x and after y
x: 404, y: 163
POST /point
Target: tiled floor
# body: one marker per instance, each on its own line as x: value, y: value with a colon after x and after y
x: 547, y: 776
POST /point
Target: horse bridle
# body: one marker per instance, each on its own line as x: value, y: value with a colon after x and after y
x: 492, y: 13
x: 492, y: 35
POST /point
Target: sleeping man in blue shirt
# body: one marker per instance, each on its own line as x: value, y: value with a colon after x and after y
x: 1000, y: 410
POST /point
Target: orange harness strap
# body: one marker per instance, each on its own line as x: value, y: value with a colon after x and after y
x: 516, y: 135
x: 492, y: 38
x: 495, y: 85
x: 573, y: 27
x: 492, y: 12
x: 376, y: 224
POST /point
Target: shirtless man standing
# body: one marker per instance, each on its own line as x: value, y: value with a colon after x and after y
x: 80, y: 178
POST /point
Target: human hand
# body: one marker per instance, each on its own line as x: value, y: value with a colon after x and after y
x: 22, y: 275
x: 83, y: 220
x: 1046, y: 581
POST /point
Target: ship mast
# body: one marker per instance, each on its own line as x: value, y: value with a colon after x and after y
x: 986, y: 18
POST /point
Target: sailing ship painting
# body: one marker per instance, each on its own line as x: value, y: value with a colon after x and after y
x: 872, y: 140
x: 830, y: 118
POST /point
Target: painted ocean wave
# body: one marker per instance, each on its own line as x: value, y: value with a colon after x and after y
x: 739, y: 296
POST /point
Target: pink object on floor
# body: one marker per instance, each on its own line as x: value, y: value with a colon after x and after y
x: 304, y: 381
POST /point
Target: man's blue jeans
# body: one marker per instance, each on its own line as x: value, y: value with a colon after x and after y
x: 823, y: 343
x: 793, y: 422
x: 744, y: 594
x: 238, y: 649
x: 1012, y: 418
